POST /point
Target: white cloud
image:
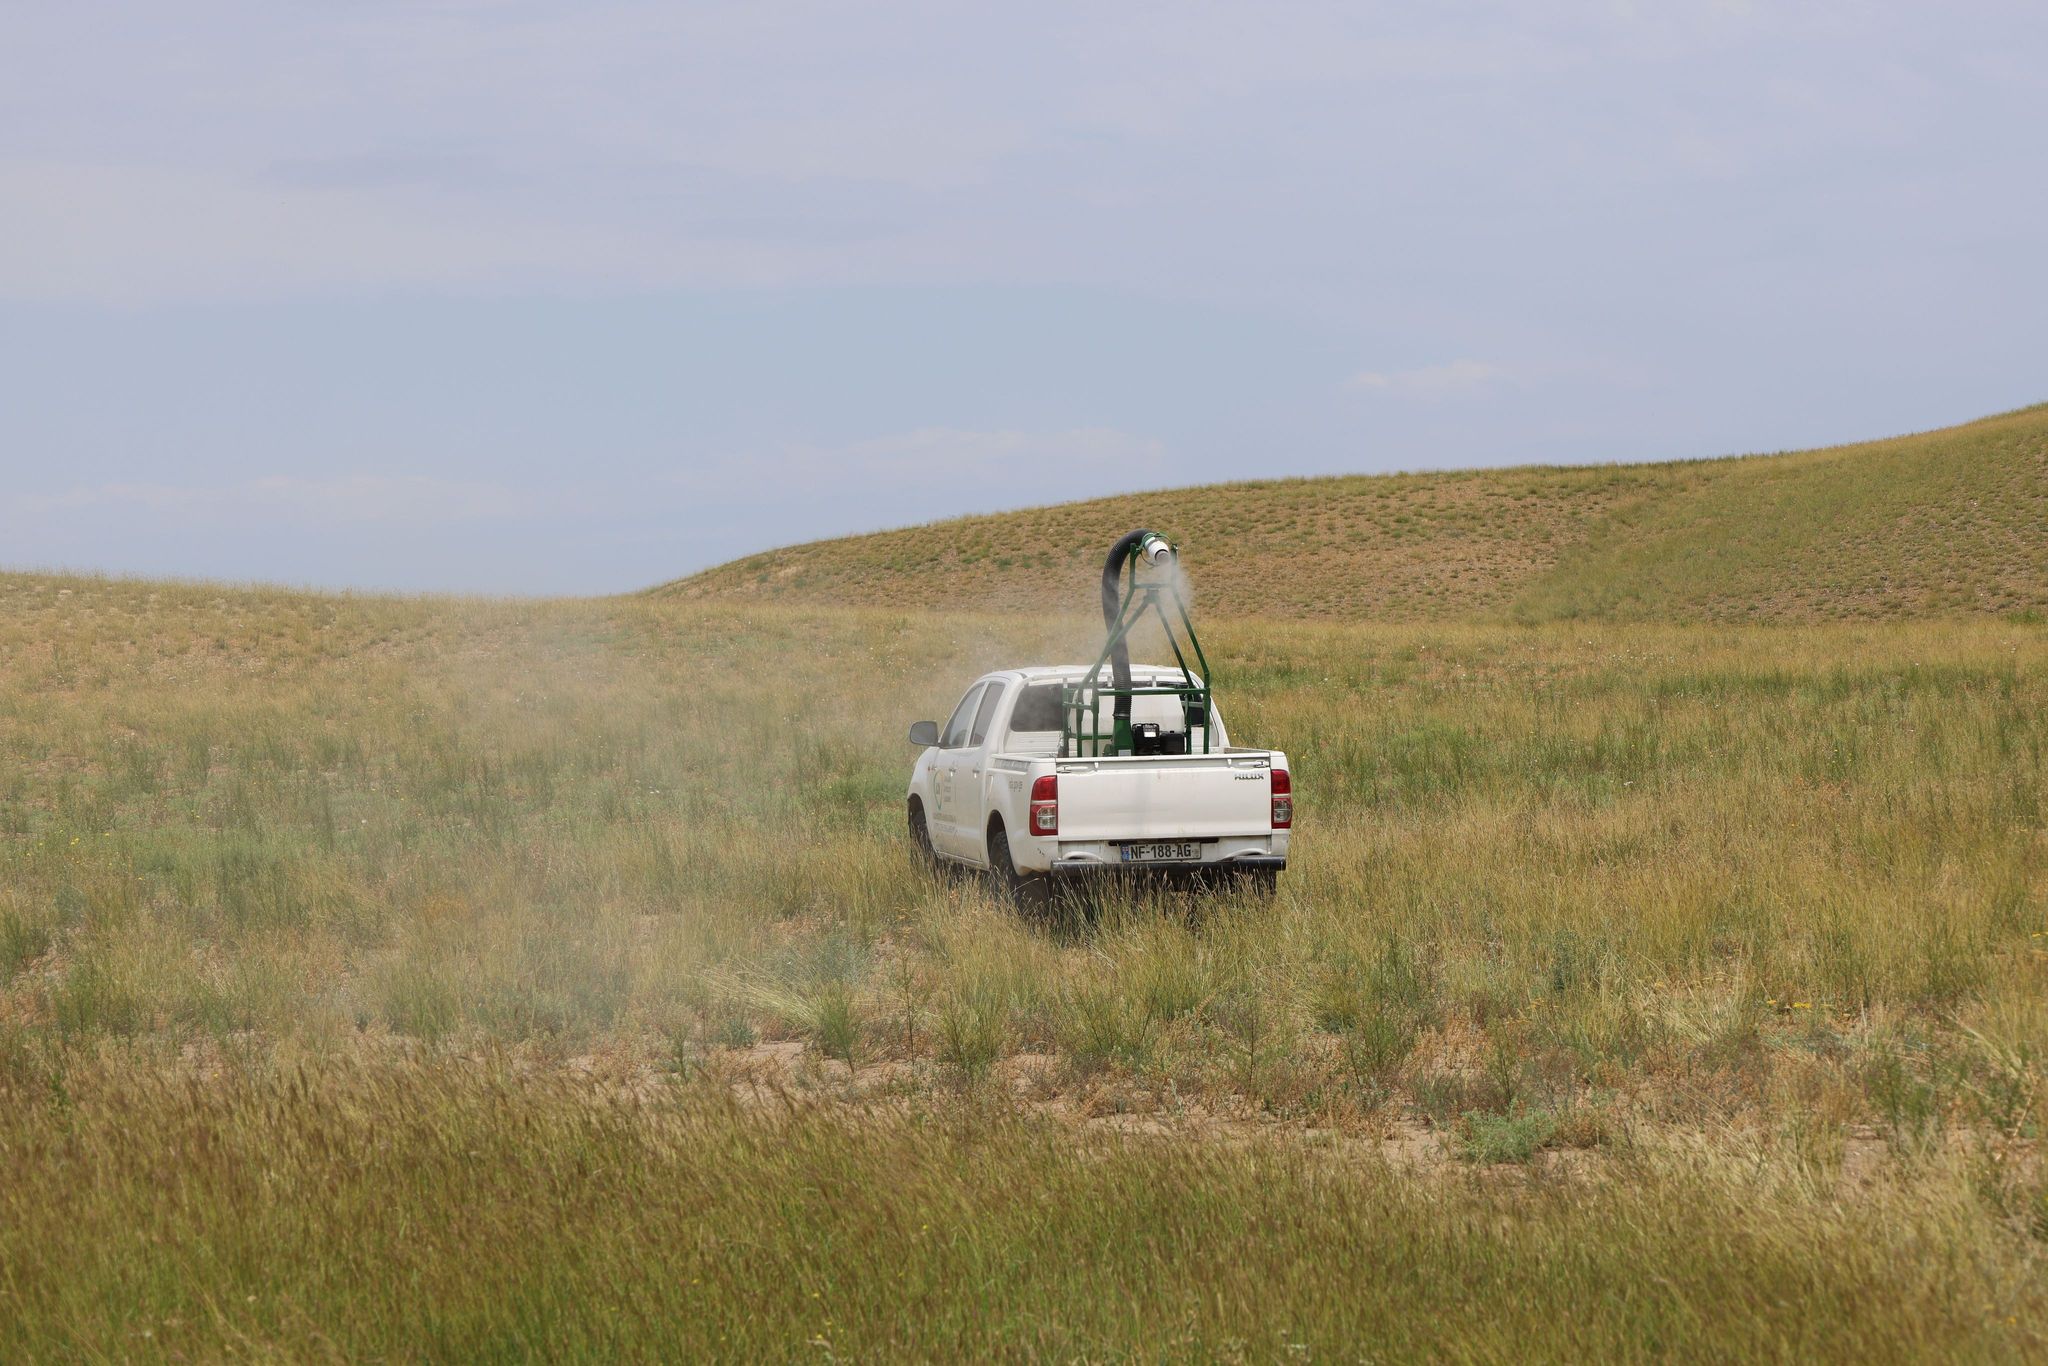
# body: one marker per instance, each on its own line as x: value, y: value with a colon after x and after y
x: 952, y: 451
x: 1019, y: 464
x: 404, y: 500
x: 240, y: 149
x: 133, y: 234
x: 1453, y: 379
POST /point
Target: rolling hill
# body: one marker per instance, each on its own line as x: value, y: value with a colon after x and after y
x: 1944, y: 523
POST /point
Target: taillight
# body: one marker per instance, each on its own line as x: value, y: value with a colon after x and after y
x: 1045, y: 805
x: 1283, y: 800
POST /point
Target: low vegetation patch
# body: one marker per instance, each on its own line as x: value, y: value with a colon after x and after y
x: 438, y: 977
x: 461, y: 1211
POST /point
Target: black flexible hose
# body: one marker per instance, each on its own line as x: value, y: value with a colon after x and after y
x: 1112, y: 605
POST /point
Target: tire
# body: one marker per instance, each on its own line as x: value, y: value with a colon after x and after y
x: 922, y: 854
x: 1032, y: 896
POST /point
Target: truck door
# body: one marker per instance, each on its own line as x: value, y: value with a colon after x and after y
x: 970, y: 777
x: 945, y: 766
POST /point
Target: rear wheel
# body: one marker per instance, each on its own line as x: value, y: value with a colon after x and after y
x: 921, y: 852
x: 1030, y: 895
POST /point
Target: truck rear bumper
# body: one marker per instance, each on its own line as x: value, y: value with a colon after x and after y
x: 1063, y: 857
x: 1219, y: 870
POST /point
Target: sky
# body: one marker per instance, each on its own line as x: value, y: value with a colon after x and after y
x: 508, y: 297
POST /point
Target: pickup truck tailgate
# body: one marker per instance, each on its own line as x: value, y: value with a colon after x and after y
x: 1192, y: 796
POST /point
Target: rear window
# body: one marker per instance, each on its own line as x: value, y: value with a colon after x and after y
x: 1038, y: 708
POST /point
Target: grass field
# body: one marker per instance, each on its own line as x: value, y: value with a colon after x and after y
x: 470, y: 979
x: 1941, y: 524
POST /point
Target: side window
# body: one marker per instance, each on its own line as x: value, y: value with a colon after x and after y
x: 955, y: 733
x: 989, y: 698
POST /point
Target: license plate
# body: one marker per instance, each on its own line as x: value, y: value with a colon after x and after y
x: 1180, y: 851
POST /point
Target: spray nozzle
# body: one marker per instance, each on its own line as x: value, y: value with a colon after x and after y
x: 1155, y: 550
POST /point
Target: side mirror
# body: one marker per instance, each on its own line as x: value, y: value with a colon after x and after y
x: 924, y: 733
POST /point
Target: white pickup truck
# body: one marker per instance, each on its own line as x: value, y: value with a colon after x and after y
x: 993, y: 790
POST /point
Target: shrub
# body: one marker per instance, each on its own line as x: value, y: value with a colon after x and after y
x: 1513, y: 1137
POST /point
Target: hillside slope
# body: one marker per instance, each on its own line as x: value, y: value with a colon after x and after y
x: 1950, y: 522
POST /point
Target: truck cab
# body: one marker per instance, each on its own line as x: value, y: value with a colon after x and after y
x: 1007, y: 784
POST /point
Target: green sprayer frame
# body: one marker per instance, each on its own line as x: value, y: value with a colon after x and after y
x: 1083, y: 700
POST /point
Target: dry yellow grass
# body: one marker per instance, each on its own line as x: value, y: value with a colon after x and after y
x: 443, y: 978
x: 1943, y: 523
